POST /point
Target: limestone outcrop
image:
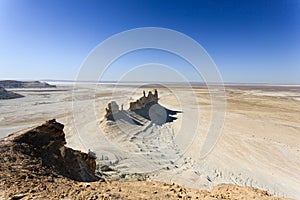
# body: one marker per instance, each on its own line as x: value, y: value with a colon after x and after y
x: 112, y: 109
x: 140, y: 104
x: 4, y: 94
x: 146, y: 107
x: 144, y: 100
x: 45, y: 144
x: 24, y: 84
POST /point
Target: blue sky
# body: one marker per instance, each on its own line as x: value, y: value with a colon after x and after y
x: 254, y: 41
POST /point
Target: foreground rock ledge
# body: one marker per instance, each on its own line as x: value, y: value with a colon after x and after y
x: 44, y: 145
x: 35, y: 164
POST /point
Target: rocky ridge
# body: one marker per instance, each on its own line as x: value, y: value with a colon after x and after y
x: 24, y: 84
x: 45, y: 145
x: 4, y: 94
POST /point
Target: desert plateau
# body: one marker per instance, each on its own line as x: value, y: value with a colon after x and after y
x: 256, y: 155
x: 149, y: 99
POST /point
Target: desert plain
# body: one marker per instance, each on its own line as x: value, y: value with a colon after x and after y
x: 258, y: 144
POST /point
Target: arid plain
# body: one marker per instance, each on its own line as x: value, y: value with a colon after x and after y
x: 258, y: 146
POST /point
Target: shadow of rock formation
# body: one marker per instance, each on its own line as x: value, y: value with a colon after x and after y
x: 146, y: 107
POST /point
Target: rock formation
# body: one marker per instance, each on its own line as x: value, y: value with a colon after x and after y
x: 4, y: 94
x: 144, y: 100
x: 24, y: 84
x: 45, y: 145
x: 146, y: 107
x: 112, y: 109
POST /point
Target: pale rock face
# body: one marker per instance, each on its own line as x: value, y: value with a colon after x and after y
x: 112, y: 108
x: 144, y: 100
x: 146, y: 107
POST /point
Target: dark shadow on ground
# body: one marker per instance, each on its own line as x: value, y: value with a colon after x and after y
x: 157, y: 113
x: 153, y: 112
x: 124, y: 116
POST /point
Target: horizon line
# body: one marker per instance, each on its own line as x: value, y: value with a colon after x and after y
x: 153, y: 82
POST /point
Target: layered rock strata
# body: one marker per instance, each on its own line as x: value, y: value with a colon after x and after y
x: 24, y: 84
x: 4, y: 94
x: 45, y: 144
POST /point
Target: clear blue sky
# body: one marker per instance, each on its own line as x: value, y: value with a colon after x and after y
x: 250, y: 41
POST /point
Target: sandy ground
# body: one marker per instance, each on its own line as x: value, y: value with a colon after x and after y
x: 259, y: 144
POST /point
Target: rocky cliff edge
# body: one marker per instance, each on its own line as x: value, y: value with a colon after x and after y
x: 43, y: 145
